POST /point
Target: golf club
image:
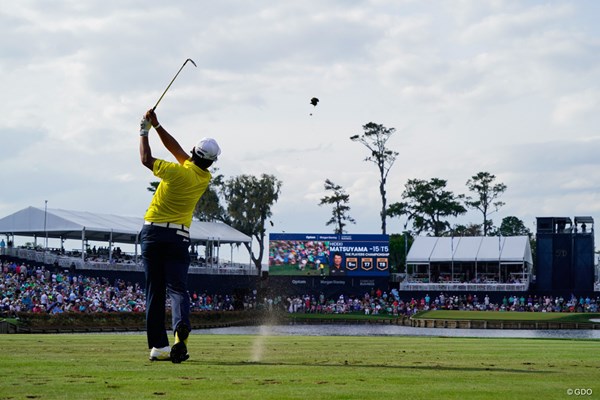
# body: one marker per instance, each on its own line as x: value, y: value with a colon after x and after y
x: 185, y: 62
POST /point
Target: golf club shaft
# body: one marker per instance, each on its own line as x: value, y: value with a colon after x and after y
x: 173, y: 80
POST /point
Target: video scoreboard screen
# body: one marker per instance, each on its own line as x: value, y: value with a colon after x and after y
x: 328, y: 255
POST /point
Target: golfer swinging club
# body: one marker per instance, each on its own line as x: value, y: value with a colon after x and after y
x: 165, y: 236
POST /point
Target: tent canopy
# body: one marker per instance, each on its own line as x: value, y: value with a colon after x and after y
x: 57, y: 223
x: 503, y: 249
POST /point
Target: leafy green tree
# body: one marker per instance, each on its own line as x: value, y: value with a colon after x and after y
x: 427, y: 205
x: 339, y: 200
x: 512, y: 226
x: 249, y: 200
x: 533, y: 245
x: 209, y: 207
x: 244, y: 203
x: 486, y: 193
x: 399, y: 245
x: 375, y: 138
x: 466, y: 230
x: 153, y: 186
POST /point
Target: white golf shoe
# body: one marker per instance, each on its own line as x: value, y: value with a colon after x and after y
x: 162, y: 354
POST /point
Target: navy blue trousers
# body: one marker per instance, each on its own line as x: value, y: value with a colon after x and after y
x: 166, y: 261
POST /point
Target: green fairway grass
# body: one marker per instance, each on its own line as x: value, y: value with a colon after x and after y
x: 507, y: 316
x: 110, y: 366
x: 288, y: 269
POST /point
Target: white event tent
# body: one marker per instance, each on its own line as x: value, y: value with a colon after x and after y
x: 87, y: 226
x: 458, y: 262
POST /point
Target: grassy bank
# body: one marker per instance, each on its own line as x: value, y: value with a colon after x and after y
x: 103, y: 322
x: 114, y: 366
x: 506, y: 316
x: 73, y: 322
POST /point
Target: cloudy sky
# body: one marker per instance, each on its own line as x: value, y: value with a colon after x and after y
x: 508, y: 87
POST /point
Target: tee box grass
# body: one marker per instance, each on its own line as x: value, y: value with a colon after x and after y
x: 112, y: 366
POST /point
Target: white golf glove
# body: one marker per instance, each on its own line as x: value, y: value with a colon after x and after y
x: 145, y: 126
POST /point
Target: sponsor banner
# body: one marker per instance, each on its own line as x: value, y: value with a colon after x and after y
x: 324, y: 282
x: 328, y: 255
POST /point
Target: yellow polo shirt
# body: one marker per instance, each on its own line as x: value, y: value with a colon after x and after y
x: 180, y: 188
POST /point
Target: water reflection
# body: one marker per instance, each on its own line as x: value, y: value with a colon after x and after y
x: 394, y: 330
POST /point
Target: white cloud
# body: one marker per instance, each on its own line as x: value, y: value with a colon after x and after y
x: 511, y: 23
x: 510, y: 87
x: 573, y: 106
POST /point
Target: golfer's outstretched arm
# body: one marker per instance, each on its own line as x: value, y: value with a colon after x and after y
x: 168, y: 141
x: 146, y: 153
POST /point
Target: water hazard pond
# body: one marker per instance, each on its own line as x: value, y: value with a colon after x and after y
x: 395, y: 330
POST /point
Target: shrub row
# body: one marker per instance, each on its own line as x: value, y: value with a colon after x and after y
x: 129, y: 320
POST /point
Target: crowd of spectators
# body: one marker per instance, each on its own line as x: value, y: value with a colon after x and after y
x: 105, y: 255
x: 382, y: 303
x: 24, y: 288
x: 298, y: 252
x: 92, y: 254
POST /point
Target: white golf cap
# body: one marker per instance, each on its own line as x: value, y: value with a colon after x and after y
x: 207, y: 148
